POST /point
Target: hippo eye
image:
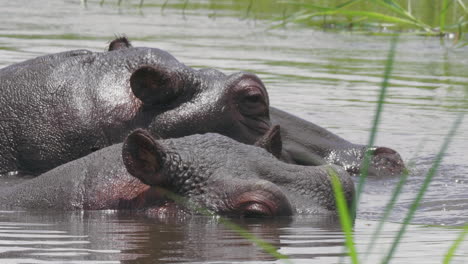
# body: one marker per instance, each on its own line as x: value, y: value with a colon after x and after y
x: 255, y: 98
x: 256, y: 210
x: 252, y: 101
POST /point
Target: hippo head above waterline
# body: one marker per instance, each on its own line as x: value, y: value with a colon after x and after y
x: 207, y: 171
x: 60, y: 107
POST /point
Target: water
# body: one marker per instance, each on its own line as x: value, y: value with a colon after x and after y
x: 329, y: 78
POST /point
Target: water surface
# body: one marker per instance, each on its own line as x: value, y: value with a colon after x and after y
x: 329, y: 78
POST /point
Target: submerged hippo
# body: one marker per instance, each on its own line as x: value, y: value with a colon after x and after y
x: 211, y: 171
x: 59, y: 107
x: 308, y: 144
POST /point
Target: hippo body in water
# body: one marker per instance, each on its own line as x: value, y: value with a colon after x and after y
x: 211, y: 171
x: 61, y: 107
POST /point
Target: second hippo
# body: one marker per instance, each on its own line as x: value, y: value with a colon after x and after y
x: 211, y: 171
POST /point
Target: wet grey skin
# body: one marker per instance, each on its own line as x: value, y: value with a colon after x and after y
x: 308, y: 144
x: 60, y: 107
x: 210, y: 171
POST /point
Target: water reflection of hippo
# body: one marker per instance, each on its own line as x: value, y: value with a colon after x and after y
x: 211, y: 170
x: 60, y: 107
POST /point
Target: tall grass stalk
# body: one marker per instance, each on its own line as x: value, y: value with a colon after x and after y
x: 387, y: 211
x: 376, y: 121
x: 443, y: 13
x: 264, y: 245
x: 451, y: 251
x: 392, y: 201
x: 432, y: 171
x: 345, y: 216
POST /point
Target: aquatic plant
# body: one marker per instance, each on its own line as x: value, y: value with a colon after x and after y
x: 451, y: 251
x: 346, y: 217
x: 434, y: 18
x: 383, y: 16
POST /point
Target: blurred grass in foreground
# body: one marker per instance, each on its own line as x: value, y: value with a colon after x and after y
x: 346, y: 215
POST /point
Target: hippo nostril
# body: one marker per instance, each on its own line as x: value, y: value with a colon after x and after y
x: 384, y: 150
x: 387, y: 162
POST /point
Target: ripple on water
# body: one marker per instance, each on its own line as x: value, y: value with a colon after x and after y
x: 331, y: 79
x: 43, y: 240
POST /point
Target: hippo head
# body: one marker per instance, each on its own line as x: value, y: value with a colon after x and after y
x: 382, y: 161
x: 177, y: 100
x: 203, y: 101
x: 230, y: 178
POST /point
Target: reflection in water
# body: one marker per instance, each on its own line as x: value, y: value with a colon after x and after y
x: 331, y: 79
x: 132, y: 238
x: 126, y: 237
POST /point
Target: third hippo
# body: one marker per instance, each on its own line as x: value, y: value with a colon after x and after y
x: 60, y: 107
x: 211, y: 171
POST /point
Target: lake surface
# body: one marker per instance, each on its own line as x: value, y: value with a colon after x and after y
x: 329, y: 78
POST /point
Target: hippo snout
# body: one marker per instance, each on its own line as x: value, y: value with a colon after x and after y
x: 386, y: 162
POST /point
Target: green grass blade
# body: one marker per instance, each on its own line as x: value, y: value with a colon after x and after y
x: 388, y: 209
x: 267, y: 247
x: 376, y: 121
x: 309, y: 6
x: 345, y: 216
x: 346, y: 4
x: 392, y: 201
x: 443, y: 14
x: 264, y: 245
x: 395, y: 8
x: 402, y: 12
x: 368, y: 14
x: 322, y: 8
x: 451, y: 251
x: 432, y: 171
x: 460, y: 2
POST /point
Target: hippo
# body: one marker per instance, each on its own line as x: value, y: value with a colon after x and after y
x: 60, y: 107
x: 305, y: 143
x: 209, y: 171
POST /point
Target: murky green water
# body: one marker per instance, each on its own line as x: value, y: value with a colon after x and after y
x: 331, y: 79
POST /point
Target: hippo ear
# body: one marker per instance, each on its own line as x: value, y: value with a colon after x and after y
x: 119, y: 43
x: 271, y: 141
x: 155, y: 85
x: 144, y: 157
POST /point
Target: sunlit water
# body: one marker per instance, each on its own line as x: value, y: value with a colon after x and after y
x: 328, y: 78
